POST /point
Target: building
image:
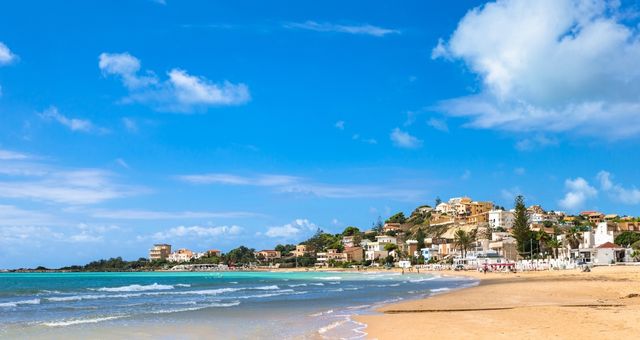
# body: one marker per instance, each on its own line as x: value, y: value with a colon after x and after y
x: 182, y: 255
x: 214, y: 253
x: 301, y: 250
x: 608, y: 253
x: 391, y: 226
x: 501, y: 219
x: 605, y: 232
x: 375, y: 250
x: 411, y: 247
x: 268, y: 255
x: 353, y: 254
x: 348, y: 241
x: 159, y: 252
x: 350, y: 254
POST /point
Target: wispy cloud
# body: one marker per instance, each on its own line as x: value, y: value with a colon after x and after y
x: 181, y: 92
x: 74, y: 124
x: 361, y: 29
x: 130, y: 124
x: 12, y: 155
x: 340, y: 125
x: 438, y: 124
x: 40, y: 182
x: 403, y: 139
x: 197, y: 232
x: 167, y: 215
x: 616, y: 191
x: 536, y: 142
x: 303, y: 186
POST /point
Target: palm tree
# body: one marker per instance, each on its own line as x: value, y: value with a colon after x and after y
x: 554, y: 244
x: 573, y: 236
x: 463, y: 240
x: 543, y: 238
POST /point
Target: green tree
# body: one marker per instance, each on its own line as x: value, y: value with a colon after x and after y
x: 390, y: 247
x: 420, y: 238
x: 438, y: 201
x: 241, y: 255
x: 397, y: 218
x: 350, y: 231
x: 627, y: 238
x: 554, y: 244
x: 520, y: 229
x: 543, y: 239
x: 378, y: 225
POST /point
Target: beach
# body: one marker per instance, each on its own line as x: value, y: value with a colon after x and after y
x: 603, y: 303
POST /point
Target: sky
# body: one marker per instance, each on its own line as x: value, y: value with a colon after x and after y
x: 210, y: 125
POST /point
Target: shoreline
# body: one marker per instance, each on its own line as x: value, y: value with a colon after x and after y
x: 604, y: 303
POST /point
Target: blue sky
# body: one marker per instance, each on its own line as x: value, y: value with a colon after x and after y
x: 210, y: 125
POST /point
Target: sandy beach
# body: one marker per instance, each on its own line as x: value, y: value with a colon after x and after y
x: 604, y: 304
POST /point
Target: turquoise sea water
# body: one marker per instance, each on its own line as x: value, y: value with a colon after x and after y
x: 242, y: 305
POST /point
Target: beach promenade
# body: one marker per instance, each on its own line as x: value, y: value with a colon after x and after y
x: 603, y: 304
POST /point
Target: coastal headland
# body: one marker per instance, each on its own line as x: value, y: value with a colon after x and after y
x: 603, y: 304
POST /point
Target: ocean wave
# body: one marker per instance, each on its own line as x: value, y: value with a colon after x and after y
x: 336, y: 290
x: 359, y: 307
x: 18, y: 303
x: 281, y: 292
x: 266, y: 287
x: 298, y: 285
x: 330, y: 311
x: 76, y: 298
x: 331, y: 278
x: 436, y: 290
x: 183, y: 285
x: 331, y: 326
x: 190, y: 309
x: 134, y: 288
x: 81, y: 321
x: 317, y: 284
x: 424, y: 279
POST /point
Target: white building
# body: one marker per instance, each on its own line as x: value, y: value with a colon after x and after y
x: 605, y: 232
x: 501, y: 219
x: 375, y: 250
x: 444, y: 208
x: 181, y: 255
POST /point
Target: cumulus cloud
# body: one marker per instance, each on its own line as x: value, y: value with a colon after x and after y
x: 403, y: 139
x: 197, y: 232
x: 180, y: 92
x: 364, y: 29
x: 74, y: 124
x: 549, y: 66
x: 6, y: 56
x: 617, y: 191
x: 578, y: 192
x: 290, y: 230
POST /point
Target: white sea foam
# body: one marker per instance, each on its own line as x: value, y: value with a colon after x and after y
x: 436, y: 290
x: 317, y: 284
x: 18, y: 303
x: 76, y: 298
x: 331, y: 326
x: 298, y: 285
x: 134, y: 288
x: 359, y: 307
x: 190, y: 309
x: 331, y: 278
x: 183, y: 285
x: 81, y: 321
x: 336, y: 290
x: 266, y: 287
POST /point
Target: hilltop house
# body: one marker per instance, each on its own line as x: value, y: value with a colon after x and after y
x: 375, y: 250
x: 268, y: 255
x: 159, y: 252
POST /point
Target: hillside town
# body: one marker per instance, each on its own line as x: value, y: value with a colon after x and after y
x: 460, y: 232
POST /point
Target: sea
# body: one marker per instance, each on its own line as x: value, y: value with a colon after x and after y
x: 182, y: 305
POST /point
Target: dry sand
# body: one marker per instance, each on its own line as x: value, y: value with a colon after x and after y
x: 602, y: 304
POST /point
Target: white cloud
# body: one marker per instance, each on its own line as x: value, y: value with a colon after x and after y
x: 197, y: 232
x: 181, y: 92
x: 74, y: 124
x: 340, y: 125
x: 290, y: 230
x: 536, y: 142
x: 77, y: 186
x: 616, y: 191
x: 19, y: 235
x: 578, y: 192
x: 6, y: 155
x: 122, y: 163
x: 364, y: 29
x: 130, y: 124
x: 13, y: 216
x: 230, y: 179
x: 299, y: 185
x: 403, y: 139
x: 6, y: 56
x: 438, y: 124
x: 371, y: 141
x: 549, y: 66
x: 167, y: 215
